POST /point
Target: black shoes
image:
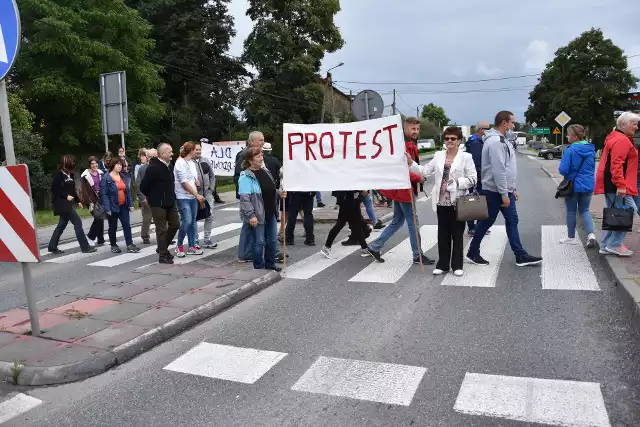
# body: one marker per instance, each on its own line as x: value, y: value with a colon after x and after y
x: 321, y: 205
x: 526, y: 260
x: 375, y: 255
x: 379, y: 225
x: 477, y: 260
x: 310, y: 242
x: 56, y: 251
x: 425, y: 260
x: 166, y: 260
x: 89, y: 250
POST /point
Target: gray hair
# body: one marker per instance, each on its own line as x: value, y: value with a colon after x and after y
x: 152, y: 152
x: 626, y: 118
x: 162, y: 147
x: 253, y: 135
x: 577, y: 131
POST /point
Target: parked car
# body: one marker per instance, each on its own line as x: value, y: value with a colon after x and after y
x: 553, y: 153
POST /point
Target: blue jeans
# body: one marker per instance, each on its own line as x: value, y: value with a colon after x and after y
x: 613, y: 239
x: 510, y: 215
x: 264, y: 243
x: 401, y: 212
x: 188, y: 209
x: 245, y: 248
x: 576, y: 205
x: 318, y: 196
x: 368, y: 205
x: 125, y: 220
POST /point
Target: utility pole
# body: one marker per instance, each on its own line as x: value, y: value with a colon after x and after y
x: 393, y: 106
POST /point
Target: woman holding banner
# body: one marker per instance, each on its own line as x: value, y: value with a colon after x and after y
x: 455, y: 173
x: 257, y: 190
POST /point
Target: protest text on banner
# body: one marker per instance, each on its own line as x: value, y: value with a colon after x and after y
x: 223, y: 156
x: 345, y: 156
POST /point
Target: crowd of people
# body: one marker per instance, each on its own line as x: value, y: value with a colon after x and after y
x: 176, y: 197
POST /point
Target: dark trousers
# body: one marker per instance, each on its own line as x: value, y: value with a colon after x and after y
x: 146, y: 220
x: 167, y: 223
x: 125, y: 221
x: 65, y: 218
x: 510, y: 214
x: 450, y: 240
x: 96, y: 231
x: 348, y: 214
x: 297, y: 202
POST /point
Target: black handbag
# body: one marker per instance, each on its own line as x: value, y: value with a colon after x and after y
x: 204, y: 212
x: 617, y: 219
x: 98, y: 212
x: 565, y: 188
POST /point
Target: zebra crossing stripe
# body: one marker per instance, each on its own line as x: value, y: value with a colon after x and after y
x: 565, y: 266
x: 17, y: 405
x: 533, y: 400
x: 484, y: 276
x: 316, y: 263
x: 398, y: 260
x: 229, y: 243
x: 151, y: 250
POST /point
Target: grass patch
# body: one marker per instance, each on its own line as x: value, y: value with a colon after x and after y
x: 45, y: 218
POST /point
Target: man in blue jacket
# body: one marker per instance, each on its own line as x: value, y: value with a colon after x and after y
x: 474, y: 147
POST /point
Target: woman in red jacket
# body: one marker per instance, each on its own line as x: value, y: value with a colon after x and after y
x: 617, y: 177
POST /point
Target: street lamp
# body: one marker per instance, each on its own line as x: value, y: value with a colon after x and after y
x: 324, y: 95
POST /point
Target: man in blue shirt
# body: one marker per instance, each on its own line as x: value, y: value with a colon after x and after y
x: 474, y: 147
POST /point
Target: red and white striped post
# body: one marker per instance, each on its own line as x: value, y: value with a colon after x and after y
x: 18, y: 240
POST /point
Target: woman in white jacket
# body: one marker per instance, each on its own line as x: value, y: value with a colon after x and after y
x: 455, y: 173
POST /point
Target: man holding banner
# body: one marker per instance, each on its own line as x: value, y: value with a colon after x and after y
x: 350, y: 157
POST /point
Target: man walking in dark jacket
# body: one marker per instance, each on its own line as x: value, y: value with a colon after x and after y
x: 474, y: 147
x: 158, y: 188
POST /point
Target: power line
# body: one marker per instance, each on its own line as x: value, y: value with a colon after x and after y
x: 402, y: 99
x: 436, y: 92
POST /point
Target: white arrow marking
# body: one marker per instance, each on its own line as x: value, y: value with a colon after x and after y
x: 3, y: 49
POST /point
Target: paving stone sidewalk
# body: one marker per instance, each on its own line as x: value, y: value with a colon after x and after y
x: 95, y: 327
x: 626, y: 270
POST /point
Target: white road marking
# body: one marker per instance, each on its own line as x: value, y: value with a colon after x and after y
x: 534, y: 400
x: 484, y: 276
x: 222, y: 246
x: 314, y: 264
x: 230, y: 209
x: 75, y: 245
x: 565, y: 266
x: 397, y: 261
x: 76, y: 256
x: 423, y: 199
x: 17, y: 405
x: 151, y: 250
x: 244, y: 365
x: 357, y: 379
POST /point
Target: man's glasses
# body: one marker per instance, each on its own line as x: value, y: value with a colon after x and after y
x: 453, y: 138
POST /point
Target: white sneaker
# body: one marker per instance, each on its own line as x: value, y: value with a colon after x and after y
x: 458, y: 273
x: 438, y: 272
x: 326, y: 252
x: 591, y: 240
x: 569, y: 241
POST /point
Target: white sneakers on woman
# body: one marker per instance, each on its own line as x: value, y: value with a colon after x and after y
x: 591, y: 241
x: 438, y: 272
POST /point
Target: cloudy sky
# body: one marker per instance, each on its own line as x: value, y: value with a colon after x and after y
x: 442, y: 41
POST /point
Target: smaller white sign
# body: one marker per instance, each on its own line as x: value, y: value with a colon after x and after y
x: 3, y: 49
x: 534, y: 125
x: 563, y: 118
x: 223, y: 157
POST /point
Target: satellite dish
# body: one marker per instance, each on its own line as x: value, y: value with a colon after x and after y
x: 367, y: 105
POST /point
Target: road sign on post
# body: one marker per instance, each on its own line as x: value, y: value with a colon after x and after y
x: 540, y: 131
x: 18, y: 241
x: 115, y: 113
x: 563, y: 119
x: 534, y: 125
x: 556, y: 131
x: 367, y: 105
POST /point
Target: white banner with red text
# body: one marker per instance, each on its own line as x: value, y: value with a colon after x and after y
x: 366, y: 155
x: 223, y: 155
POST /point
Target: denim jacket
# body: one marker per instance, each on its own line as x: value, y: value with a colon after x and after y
x: 109, y: 194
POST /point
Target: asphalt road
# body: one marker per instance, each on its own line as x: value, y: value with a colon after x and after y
x: 503, y: 346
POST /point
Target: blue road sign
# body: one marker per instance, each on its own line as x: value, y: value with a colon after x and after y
x: 9, y: 35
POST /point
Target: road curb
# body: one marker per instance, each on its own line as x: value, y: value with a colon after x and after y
x: 107, y: 359
x: 627, y: 286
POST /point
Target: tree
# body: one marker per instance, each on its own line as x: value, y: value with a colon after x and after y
x: 435, y: 114
x: 66, y: 46
x: 286, y: 47
x: 586, y: 79
x: 428, y: 129
x: 28, y: 147
x: 202, y: 81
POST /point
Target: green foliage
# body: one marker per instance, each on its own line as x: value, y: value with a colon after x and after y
x: 202, y: 82
x: 66, y: 45
x: 435, y: 114
x: 428, y: 129
x: 586, y: 79
x: 28, y: 146
x: 286, y: 47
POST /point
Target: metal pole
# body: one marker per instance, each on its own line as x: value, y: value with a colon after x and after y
x: 11, y: 160
x: 562, y: 139
x: 394, y: 102
x: 106, y: 143
x: 31, y: 299
x: 324, y: 97
x: 6, y: 125
x: 366, y: 105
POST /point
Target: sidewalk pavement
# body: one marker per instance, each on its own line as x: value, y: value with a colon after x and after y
x: 97, y: 326
x: 626, y: 270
